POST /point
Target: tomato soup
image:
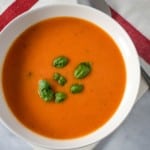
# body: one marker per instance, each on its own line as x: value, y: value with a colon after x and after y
x: 30, y: 59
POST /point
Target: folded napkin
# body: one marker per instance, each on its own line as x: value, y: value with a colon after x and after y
x: 9, y: 9
x: 134, y: 16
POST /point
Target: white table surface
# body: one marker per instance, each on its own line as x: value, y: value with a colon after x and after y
x: 133, y: 134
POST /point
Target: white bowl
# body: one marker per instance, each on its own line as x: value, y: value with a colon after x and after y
x: 128, y: 52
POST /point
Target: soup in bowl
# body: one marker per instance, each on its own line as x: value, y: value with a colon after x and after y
x: 69, y: 76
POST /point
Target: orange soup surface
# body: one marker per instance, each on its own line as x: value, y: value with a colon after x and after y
x: 30, y: 59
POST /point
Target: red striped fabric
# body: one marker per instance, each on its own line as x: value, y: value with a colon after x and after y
x: 142, y: 44
x: 15, y: 9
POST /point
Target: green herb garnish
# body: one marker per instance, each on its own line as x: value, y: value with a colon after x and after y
x: 60, y: 79
x: 82, y: 70
x: 60, y: 62
x: 60, y: 96
x: 76, y: 88
x: 45, y: 91
x: 56, y: 76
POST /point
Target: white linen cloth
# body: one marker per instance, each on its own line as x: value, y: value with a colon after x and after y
x: 136, y: 12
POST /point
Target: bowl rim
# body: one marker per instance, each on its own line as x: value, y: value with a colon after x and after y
x: 84, y: 140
